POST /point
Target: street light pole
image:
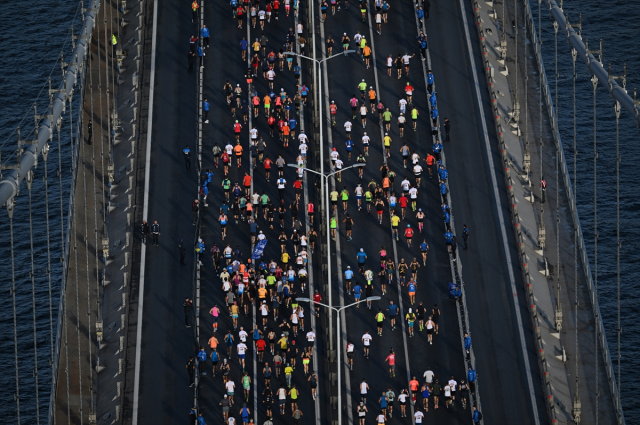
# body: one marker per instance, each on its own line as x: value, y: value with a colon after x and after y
x: 338, y: 310
x: 328, y: 218
x: 323, y: 191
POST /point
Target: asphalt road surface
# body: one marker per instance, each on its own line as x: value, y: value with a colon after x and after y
x: 165, y: 396
x: 504, y: 393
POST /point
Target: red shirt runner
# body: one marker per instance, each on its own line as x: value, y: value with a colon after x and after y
x: 391, y: 358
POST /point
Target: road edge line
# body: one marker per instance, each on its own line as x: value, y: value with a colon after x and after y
x: 145, y: 210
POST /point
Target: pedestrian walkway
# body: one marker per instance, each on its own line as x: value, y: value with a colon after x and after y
x: 543, y: 198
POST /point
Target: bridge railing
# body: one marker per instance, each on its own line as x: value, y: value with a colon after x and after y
x: 628, y: 103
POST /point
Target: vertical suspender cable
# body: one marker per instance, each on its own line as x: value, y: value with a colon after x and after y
x: 558, y: 311
x: 46, y: 211
x: 619, y: 330
x: 63, y: 258
x: 107, y: 65
x: 576, y: 400
x: 75, y: 252
x: 558, y: 308
x: 64, y: 281
x: 99, y: 68
x: 594, y: 82
x: 45, y: 156
x: 106, y: 59
x: 114, y: 78
x: 33, y: 302
x: 504, y: 18
x: 539, y: 47
x: 81, y: 141
x: 10, y: 205
x: 555, y: 115
x: 526, y: 85
x: 93, y: 173
x: 515, y: 34
x: 526, y: 91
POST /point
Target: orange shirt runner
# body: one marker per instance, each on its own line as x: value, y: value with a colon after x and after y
x: 430, y: 159
x: 213, y: 342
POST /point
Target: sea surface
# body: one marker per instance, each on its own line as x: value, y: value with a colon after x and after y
x: 31, y: 39
x: 30, y: 47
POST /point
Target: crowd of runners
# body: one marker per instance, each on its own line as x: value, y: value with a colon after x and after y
x: 282, y: 337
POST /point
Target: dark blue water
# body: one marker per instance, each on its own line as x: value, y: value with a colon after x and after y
x: 617, y: 24
x: 32, y: 37
x: 31, y: 46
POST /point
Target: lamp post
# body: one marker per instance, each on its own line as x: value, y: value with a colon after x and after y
x: 319, y: 62
x: 328, y: 218
x: 338, y: 310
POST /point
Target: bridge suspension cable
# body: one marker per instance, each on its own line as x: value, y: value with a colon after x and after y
x: 29, y: 180
x: 86, y: 225
x: 107, y: 67
x: 81, y: 142
x: 93, y: 168
x: 594, y: 82
x: 618, y: 329
x: 558, y: 311
x: 63, y: 286
x: 45, y: 156
x: 577, y: 405
x: 75, y: 253
x: 10, y: 208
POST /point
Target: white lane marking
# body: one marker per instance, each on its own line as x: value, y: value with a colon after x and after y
x: 343, y: 330
x: 503, y: 231
x: 393, y: 240
x: 310, y: 281
x: 199, y: 108
x: 253, y: 308
x: 145, y: 211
